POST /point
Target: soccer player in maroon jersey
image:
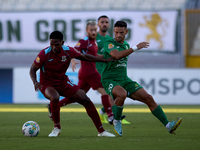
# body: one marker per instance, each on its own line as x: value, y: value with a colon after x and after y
x: 53, y: 63
x: 88, y: 75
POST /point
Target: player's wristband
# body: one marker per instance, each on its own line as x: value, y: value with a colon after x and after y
x: 134, y: 48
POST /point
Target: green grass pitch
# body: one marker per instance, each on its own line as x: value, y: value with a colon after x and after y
x: 78, y: 132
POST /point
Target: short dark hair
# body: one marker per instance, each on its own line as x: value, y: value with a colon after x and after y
x: 120, y: 24
x: 103, y: 16
x: 56, y: 35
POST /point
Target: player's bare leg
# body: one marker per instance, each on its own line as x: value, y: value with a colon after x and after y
x: 120, y: 94
x: 143, y: 96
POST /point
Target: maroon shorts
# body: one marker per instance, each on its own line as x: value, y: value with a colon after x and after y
x: 66, y: 89
x: 86, y: 82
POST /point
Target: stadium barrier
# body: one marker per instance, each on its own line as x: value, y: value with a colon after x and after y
x: 167, y: 86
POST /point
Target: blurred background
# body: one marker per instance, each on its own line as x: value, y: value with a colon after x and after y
x: 168, y: 69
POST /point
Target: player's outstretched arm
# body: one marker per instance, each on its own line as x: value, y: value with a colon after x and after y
x: 121, y: 54
x: 98, y: 55
x: 142, y: 45
x: 33, y: 76
x: 88, y: 57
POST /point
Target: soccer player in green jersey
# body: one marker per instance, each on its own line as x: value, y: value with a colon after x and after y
x: 117, y: 84
x: 102, y: 37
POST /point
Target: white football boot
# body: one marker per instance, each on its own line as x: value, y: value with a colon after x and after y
x: 106, y: 134
x: 55, y: 132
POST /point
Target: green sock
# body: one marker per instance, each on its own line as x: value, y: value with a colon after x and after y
x: 158, y: 113
x: 113, y: 109
x: 118, y: 112
x: 103, y: 110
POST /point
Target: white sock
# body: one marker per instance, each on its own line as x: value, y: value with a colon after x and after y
x: 111, y: 118
x: 167, y: 126
x: 116, y: 120
x: 101, y: 112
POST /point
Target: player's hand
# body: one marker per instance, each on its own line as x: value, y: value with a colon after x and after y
x: 143, y: 45
x: 110, y: 59
x: 37, y: 86
x: 74, y: 63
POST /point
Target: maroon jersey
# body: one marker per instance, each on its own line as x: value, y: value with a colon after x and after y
x: 87, y: 46
x: 53, y: 66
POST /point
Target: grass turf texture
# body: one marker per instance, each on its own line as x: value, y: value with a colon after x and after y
x: 78, y: 132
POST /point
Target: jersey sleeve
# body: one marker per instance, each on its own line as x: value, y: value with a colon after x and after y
x: 40, y: 59
x: 128, y: 46
x: 81, y: 46
x: 74, y: 52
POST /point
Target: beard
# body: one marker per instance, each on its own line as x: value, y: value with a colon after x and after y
x: 104, y: 30
x: 92, y: 36
x: 119, y: 39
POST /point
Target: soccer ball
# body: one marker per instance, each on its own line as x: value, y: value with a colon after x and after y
x: 30, y: 129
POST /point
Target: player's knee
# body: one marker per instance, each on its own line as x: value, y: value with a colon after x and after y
x: 87, y: 100
x: 123, y: 95
x: 54, y: 99
x: 84, y: 101
x: 149, y: 99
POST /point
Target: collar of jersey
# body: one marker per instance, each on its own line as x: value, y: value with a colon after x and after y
x: 118, y: 42
x: 100, y: 35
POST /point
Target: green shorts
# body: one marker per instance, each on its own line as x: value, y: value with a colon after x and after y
x: 129, y: 85
x: 99, y: 66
